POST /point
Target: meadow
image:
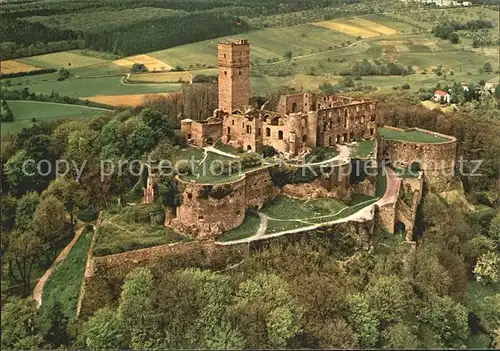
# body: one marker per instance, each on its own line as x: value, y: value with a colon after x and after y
x: 64, y: 284
x: 65, y: 59
x: 85, y: 87
x: 301, y: 56
x: 25, y: 111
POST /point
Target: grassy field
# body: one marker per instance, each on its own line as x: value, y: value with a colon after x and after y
x: 63, y: 286
x: 163, y: 77
x: 25, y: 111
x: 362, y: 149
x: 123, y: 100
x: 266, y: 44
x: 13, y: 66
x: 283, y: 212
x: 319, y: 55
x: 286, y: 208
x: 411, y: 136
x: 65, y: 59
x: 116, y: 235
x: 79, y: 88
x: 248, y: 228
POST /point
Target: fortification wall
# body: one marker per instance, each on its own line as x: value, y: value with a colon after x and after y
x: 437, y: 160
x: 207, y: 210
x: 346, y: 123
x: 203, y: 131
x: 259, y: 187
x: 104, y: 276
x: 352, y: 235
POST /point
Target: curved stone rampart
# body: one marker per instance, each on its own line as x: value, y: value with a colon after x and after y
x: 436, y: 159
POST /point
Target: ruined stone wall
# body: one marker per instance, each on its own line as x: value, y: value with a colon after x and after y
x: 346, y: 123
x: 258, y: 188
x: 201, y: 132
x: 410, y: 195
x: 105, y: 275
x: 335, y: 185
x: 366, y: 187
x: 437, y: 160
x: 338, y: 182
x: 208, y: 210
x: 244, y: 132
x: 276, y: 133
x: 348, y: 237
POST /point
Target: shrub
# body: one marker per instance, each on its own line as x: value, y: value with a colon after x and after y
x: 144, y: 214
x: 268, y: 151
x: 138, y: 67
x: 250, y: 159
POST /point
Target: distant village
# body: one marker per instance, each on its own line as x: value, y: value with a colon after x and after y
x: 444, y: 3
x: 468, y: 92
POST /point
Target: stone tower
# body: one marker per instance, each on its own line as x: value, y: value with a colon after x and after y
x: 233, y: 60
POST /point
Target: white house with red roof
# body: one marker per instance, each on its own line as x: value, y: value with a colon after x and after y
x: 441, y: 96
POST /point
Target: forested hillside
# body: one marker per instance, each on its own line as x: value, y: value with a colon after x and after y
x: 311, y: 294
x: 129, y: 27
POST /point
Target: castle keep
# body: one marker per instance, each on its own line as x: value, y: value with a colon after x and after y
x: 301, y: 121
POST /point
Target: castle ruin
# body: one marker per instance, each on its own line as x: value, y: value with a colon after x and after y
x: 301, y: 121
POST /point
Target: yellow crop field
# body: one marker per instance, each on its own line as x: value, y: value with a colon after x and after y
x: 373, y: 26
x: 11, y: 66
x: 347, y: 29
x: 123, y: 100
x: 151, y: 63
x: 161, y: 77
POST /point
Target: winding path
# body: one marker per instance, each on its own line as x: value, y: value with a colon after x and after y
x: 37, y: 292
x: 366, y: 213
x: 220, y: 152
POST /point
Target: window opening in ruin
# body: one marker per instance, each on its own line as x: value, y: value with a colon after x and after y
x: 329, y: 141
x: 189, y: 136
x: 280, y: 134
x: 337, y: 139
x: 371, y: 131
x: 239, y: 73
x: 345, y: 137
x: 190, y: 196
x: 373, y: 118
x: 200, y: 217
x: 228, y: 130
x: 294, y: 107
x: 304, y: 138
x: 268, y: 132
x: 249, y: 129
x: 225, y: 73
x: 233, y: 122
x: 249, y: 147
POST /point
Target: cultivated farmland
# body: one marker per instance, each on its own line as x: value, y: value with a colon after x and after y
x: 12, y: 66
x: 348, y: 29
x: 25, y: 111
x: 163, y: 77
x: 151, y: 63
x: 123, y: 100
x: 66, y: 59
